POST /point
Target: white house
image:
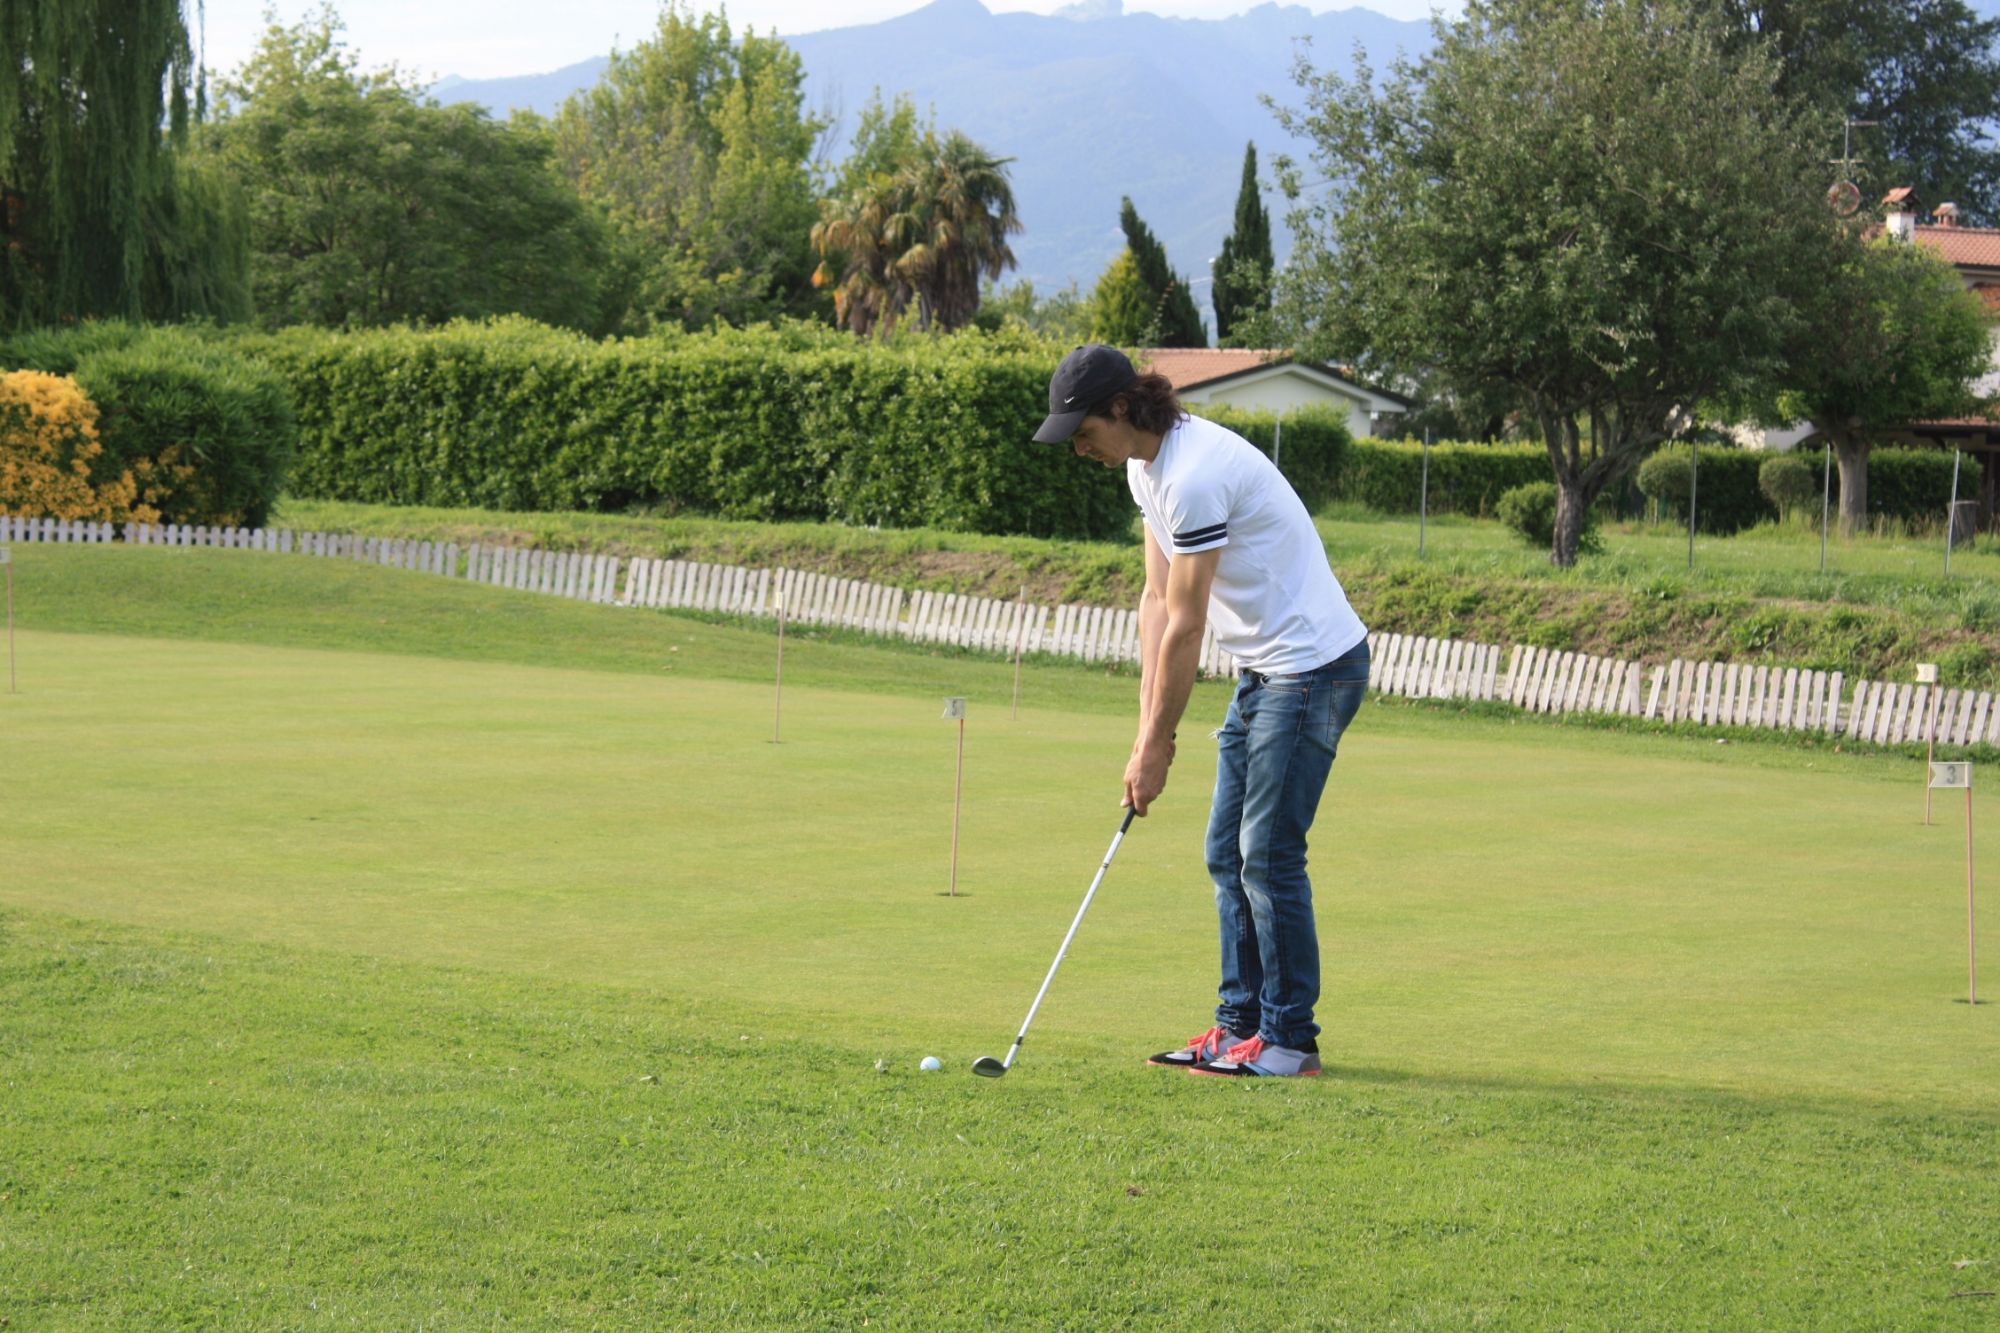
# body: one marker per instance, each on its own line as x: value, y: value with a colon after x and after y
x: 1273, y: 381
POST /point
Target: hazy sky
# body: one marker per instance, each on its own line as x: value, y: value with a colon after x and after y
x: 490, y: 38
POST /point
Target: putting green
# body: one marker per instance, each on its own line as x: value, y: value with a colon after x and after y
x: 1503, y: 902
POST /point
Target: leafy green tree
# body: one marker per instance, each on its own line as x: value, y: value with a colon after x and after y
x: 1175, y: 321
x: 1122, y: 307
x: 1891, y: 337
x: 1928, y: 71
x: 699, y: 145
x: 1592, y: 212
x: 1242, y: 290
x: 1063, y: 315
x: 98, y: 213
x: 370, y: 206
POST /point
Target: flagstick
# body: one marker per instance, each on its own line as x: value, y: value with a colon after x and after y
x: 11, y: 689
x: 1971, y: 922
x: 1927, y: 674
x: 1930, y: 753
x: 958, y: 791
x: 1020, y: 629
x: 778, y: 707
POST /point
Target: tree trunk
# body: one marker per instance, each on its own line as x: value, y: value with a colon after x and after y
x: 1571, y: 507
x: 1851, y: 455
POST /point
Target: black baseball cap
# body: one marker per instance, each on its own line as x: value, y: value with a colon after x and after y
x: 1086, y: 377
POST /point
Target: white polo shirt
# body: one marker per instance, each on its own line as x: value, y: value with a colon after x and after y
x: 1275, y: 605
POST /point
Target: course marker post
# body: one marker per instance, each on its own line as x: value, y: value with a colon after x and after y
x: 1927, y: 674
x: 7, y: 559
x: 778, y: 694
x: 955, y: 708
x: 1950, y: 775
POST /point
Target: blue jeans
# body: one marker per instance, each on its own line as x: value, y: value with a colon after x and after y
x: 1278, y: 744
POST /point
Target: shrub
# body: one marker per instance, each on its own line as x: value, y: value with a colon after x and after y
x: 1387, y: 475
x: 1665, y: 477
x: 1530, y: 510
x: 1312, y: 443
x: 50, y: 455
x: 206, y: 431
x: 1788, y: 482
x: 208, y: 434
x: 794, y: 422
x: 1725, y: 489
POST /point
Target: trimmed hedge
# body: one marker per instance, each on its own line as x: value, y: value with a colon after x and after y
x: 207, y: 432
x: 1387, y: 475
x: 1314, y: 448
x: 789, y: 423
x: 1910, y: 485
x: 1914, y: 484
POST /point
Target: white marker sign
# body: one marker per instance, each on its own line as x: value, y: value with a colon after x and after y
x: 1956, y: 774
x: 1927, y: 673
x: 954, y: 708
x: 6, y: 555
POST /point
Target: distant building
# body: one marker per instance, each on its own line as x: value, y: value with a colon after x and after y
x: 1273, y: 381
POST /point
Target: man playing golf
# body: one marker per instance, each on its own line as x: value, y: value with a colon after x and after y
x: 1228, y: 542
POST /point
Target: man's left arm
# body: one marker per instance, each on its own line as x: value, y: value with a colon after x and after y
x: 1171, y: 680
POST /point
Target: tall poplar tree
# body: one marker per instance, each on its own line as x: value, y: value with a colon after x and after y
x: 1176, y: 322
x: 1243, y: 270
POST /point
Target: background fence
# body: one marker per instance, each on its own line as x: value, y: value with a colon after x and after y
x: 1538, y: 680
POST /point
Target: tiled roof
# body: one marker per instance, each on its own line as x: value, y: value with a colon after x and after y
x: 1188, y: 367
x: 1968, y: 247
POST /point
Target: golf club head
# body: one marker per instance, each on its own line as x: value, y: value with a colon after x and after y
x: 987, y: 1067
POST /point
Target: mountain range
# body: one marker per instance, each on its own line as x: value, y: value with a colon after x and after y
x: 1091, y: 103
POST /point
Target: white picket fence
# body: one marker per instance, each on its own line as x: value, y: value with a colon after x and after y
x: 1538, y: 680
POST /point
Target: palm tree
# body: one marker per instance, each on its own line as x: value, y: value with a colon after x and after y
x: 852, y: 238
x: 926, y: 233
x: 960, y: 212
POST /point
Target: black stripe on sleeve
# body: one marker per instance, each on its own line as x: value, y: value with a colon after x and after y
x: 1196, y: 536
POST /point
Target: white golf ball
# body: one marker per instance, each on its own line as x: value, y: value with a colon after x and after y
x: 931, y: 1062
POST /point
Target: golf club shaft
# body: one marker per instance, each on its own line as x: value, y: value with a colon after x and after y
x: 1092, y: 893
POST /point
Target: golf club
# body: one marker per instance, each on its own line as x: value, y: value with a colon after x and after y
x: 986, y: 1066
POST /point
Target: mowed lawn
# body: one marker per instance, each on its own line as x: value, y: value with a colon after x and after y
x: 350, y: 988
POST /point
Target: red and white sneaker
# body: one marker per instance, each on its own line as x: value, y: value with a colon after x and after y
x: 1257, y: 1058
x: 1208, y: 1046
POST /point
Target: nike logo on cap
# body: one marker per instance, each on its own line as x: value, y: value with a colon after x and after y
x: 1067, y: 401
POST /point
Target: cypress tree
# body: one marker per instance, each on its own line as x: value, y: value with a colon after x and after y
x: 1176, y: 322
x: 85, y: 88
x: 1243, y: 269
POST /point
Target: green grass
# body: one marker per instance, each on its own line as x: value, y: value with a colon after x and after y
x: 384, y: 950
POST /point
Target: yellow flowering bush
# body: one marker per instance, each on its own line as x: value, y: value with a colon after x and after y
x: 48, y: 446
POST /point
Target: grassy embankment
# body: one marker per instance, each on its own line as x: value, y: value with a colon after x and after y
x: 1758, y: 597
x: 382, y: 949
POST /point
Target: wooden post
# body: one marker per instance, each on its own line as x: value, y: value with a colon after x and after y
x: 778, y: 694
